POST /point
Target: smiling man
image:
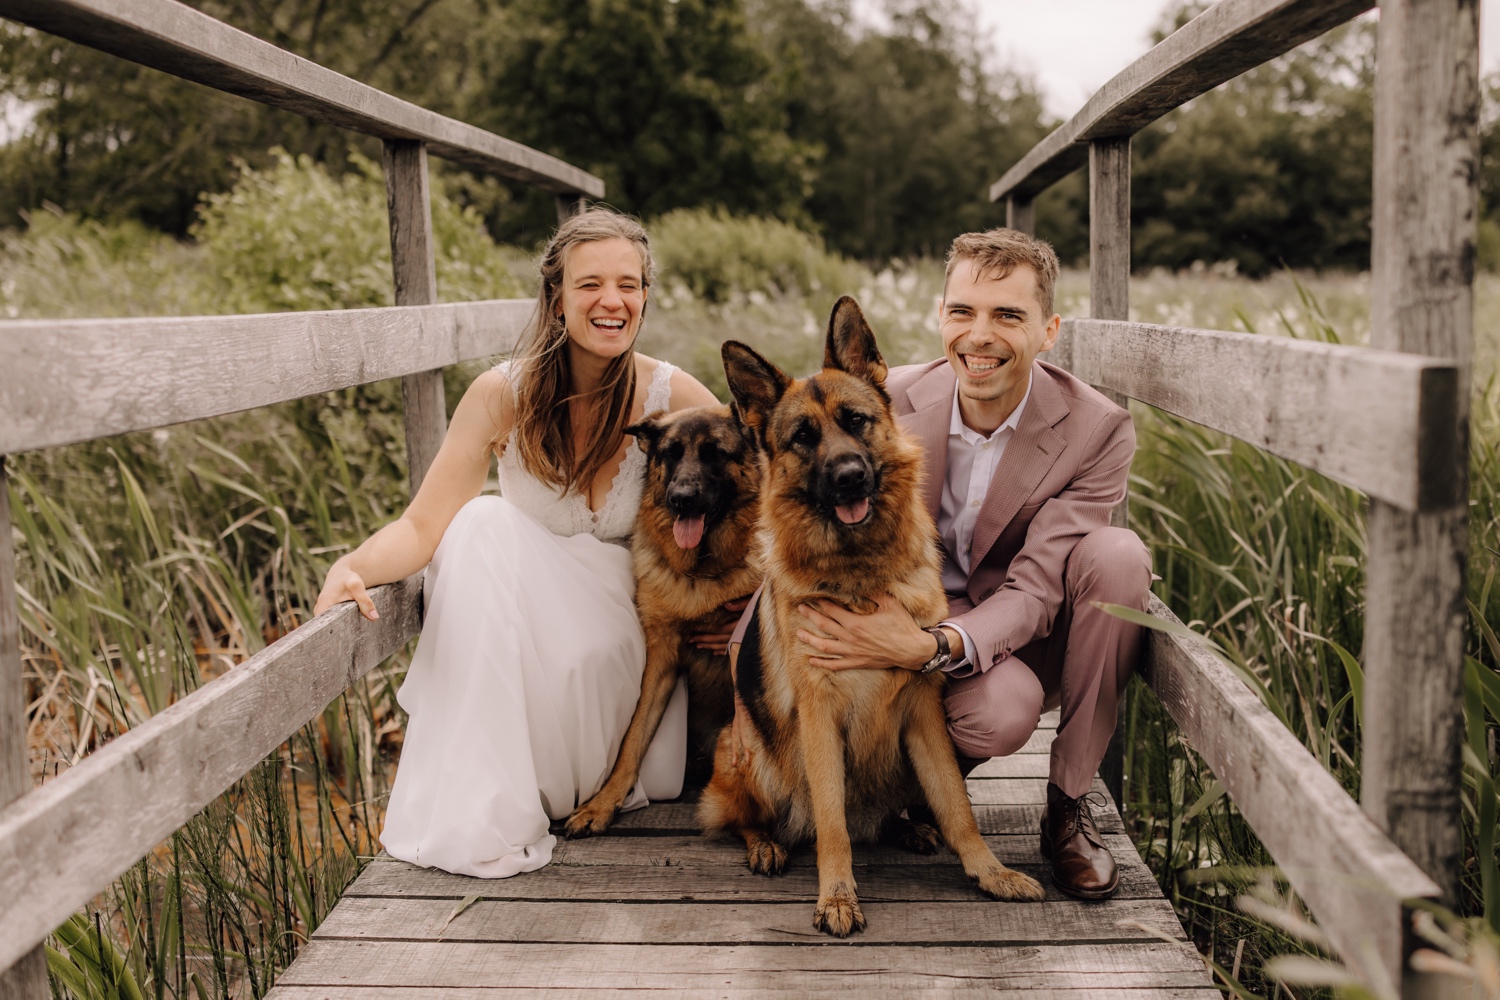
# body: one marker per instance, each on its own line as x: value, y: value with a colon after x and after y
x: 1025, y: 464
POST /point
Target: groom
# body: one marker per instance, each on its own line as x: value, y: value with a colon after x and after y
x: 1025, y: 463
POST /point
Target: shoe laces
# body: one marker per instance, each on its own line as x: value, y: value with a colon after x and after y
x: 1076, y: 811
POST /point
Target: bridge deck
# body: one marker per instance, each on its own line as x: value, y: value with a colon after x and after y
x: 653, y: 906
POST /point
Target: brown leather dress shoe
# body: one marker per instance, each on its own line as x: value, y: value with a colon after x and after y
x: 1081, y: 865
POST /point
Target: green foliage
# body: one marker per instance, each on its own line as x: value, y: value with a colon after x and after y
x: 667, y: 100
x: 1272, y: 169
x: 911, y: 124
x: 295, y: 237
x: 713, y: 254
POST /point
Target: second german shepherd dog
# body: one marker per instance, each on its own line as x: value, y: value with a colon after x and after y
x: 835, y: 753
x: 692, y: 552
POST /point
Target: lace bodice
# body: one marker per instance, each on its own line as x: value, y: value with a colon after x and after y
x: 569, y: 514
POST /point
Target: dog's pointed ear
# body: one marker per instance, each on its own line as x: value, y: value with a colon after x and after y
x: 648, y: 430
x: 851, y: 344
x: 756, y: 384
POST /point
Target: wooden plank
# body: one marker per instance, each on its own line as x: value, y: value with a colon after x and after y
x: 1204, y: 992
x: 1020, y: 765
x: 1421, y: 275
x: 176, y: 39
x: 1020, y: 214
x: 1351, y: 876
x: 571, y: 966
x: 692, y: 849
x: 727, y: 879
x: 64, y: 381
x: 414, y: 265
x: 1224, y: 41
x: 681, y: 818
x: 63, y: 842
x: 982, y: 922
x: 1358, y: 415
x: 23, y: 976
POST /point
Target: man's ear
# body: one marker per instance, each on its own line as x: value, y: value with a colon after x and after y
x: 851, y: 344
x: 648, y: 430
x: 756, y: 385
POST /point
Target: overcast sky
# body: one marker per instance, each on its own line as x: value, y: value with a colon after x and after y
x: 1073, y: 47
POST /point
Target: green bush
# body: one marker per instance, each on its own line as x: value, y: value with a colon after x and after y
x: 714, y: 254
x: 295, y: 237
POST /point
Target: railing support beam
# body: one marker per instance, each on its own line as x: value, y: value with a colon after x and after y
x: 27, y: 979
x: 1109, y: 298
x: 414, y: 261
x: 1422, y: 264
x: 1020, y: 213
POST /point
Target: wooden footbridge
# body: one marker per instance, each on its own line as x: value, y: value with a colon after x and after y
x: 651, y: 906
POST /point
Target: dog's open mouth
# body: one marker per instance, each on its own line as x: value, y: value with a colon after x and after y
x: 687, y: 532
x: 853, y: 513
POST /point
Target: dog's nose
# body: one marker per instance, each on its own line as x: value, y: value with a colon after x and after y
x: 850, y: 474
x: 682, y: 498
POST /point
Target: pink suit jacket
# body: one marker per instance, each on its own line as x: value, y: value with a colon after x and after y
x: 1063, y: 471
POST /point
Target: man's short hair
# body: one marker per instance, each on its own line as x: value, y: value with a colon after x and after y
x: 998, y: 252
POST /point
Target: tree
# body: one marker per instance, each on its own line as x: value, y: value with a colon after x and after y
x: 911, y: 124
x: 668, y: 100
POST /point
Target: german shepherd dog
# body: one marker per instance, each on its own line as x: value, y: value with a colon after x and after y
x: 839, y: 753
x: 692, y: 553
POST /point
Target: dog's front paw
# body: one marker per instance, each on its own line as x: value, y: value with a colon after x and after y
x: 594, y: 816
x: 1002, y: 883
x: 765, y: 856
x: 838, y: 913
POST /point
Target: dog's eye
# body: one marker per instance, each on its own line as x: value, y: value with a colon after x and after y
x: 805, y: 434
x: 708, y: 452
x: 672, y: 452
x: 856, y: 422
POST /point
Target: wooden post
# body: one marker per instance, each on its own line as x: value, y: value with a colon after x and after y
x: 27, y: 979
x: 1020, y: 213
x: 1422, y: 264
x: 570, y: 204
x: 1109, y: 298
x: 413, y: 259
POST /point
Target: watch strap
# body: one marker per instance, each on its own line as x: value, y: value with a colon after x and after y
x: 943, y: 656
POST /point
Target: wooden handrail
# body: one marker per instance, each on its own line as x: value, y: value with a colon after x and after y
x: 1351, y: 876
x: 1221, y: 43
x: 1374, y: 420
x: 64, y: 381
x: 59, y: 843
x: 177, y: 39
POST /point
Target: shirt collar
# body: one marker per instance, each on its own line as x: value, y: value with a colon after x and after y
x: 956, y: 425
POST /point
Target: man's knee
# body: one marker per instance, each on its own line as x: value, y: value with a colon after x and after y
x: 995, y: 719
x: 1111, y: 564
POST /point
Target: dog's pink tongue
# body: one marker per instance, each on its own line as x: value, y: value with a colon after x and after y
x: 688, y: 531
x: 853, y: 513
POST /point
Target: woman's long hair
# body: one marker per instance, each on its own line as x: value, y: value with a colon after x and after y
x: 544, y: 422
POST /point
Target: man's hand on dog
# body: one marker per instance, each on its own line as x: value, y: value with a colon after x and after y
x: 718, y: 642
x: 887, y: 637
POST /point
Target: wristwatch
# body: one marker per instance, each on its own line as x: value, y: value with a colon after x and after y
x: 943, y: 656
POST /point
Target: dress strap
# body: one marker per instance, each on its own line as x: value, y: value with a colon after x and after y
x: 659, y: 392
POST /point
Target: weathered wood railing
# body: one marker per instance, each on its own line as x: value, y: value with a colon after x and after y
x: 1394, y: 425
x: 68, y: 381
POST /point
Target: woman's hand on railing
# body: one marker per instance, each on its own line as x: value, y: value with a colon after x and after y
x: 343, y: 584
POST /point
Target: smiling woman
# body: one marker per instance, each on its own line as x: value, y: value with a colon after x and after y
x: 515, y: 713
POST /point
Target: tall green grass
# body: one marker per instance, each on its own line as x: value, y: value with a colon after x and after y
x: 154, y: 562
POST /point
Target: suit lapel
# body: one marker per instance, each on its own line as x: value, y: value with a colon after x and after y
x: 1032, y: 451
x: 931, y: 398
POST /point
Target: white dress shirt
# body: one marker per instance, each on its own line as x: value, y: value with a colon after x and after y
x: 972, y: 460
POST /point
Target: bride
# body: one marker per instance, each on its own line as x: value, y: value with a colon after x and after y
x: 530, y: 660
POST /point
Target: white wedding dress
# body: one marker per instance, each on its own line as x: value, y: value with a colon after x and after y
x: 526, y: 674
